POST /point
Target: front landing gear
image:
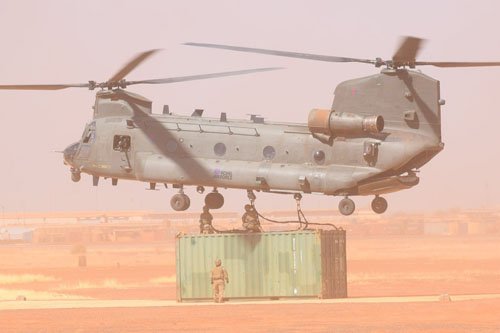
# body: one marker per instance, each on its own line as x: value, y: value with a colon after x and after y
x: 379, y: 205
x: 75, y: 175
x: 180, y: 202
x: 346, y: 206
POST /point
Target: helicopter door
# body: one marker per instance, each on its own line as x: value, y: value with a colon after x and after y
x: 122, y: 145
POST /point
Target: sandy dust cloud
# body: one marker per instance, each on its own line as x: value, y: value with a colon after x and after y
x: 438, y: 238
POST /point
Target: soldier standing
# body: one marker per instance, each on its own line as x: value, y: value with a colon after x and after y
x: 206, y: 222
x: 250, y: 220
x: 218, y: 279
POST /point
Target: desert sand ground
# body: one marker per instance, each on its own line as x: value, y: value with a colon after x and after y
x: 145, y: 273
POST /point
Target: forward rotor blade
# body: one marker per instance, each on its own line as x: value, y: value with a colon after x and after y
x: 408, y: 50
x: 283, y: 53
x: 202, y: 76
x: 43, y: 86
x: 457, y: 64
x: 133, y: 63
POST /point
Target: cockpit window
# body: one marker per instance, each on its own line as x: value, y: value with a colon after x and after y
x: 89, y: 136
x: 121, y: 143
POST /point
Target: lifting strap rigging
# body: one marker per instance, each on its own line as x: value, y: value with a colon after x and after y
x: 301, y: 218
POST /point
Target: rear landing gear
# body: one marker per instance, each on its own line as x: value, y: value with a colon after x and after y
x: 346, y: 206
x: 180, y: 202
x: 214, y: 200
x: 379, y: 205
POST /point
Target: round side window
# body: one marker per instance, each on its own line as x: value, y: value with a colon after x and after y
x: 171, y: 146
x: 319, y: 156
x: 220, y: 149
x: 269, y: 152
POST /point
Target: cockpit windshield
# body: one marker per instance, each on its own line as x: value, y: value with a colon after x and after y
x: 89, y: 133
x: 90, y: 136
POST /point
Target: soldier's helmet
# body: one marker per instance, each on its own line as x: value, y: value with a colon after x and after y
x: 248, y: 208
x: 218, y: 262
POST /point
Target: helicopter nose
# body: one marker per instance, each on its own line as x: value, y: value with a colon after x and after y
x: 69, y: 153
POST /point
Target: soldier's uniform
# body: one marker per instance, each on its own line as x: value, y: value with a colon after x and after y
x: 206, y: 222
x: 207, y: 229
x: 218, y: 279
x: 250, y: 220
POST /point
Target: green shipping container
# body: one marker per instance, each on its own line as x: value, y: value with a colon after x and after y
x: 264, y: 265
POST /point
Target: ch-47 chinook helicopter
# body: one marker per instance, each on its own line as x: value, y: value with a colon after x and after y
x: 379, y: 131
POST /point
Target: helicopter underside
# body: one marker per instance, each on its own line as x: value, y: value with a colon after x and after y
x: 387, y: 185
x: 222, y: 177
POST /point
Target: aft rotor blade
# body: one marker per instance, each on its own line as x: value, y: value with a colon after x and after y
x: 43, y: 86
x: 457, y: 64
x: 202, y: 76
x: 408, y: 50
x: 284, y: 53
x: 133, y: 63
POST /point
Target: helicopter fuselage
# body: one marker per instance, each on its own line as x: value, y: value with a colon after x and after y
x: 126, y: 141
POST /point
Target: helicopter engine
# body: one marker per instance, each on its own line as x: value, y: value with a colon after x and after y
x: 335, y: 123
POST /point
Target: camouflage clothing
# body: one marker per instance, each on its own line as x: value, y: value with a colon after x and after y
x: 207, y: 229
x: 218, y: 279
x: 251, y: 221
x: 206, y: 222
x: 219, y: 289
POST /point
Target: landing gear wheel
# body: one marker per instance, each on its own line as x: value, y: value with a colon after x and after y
x: 379, y: 205
x: 346, y: 206
x: 214, y: 200
x: 180, y: 202
x: 75, y: 176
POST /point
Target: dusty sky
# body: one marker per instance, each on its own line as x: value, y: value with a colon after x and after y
x: 76, y: 41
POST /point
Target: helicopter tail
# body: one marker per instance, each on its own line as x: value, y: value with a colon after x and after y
x: 407, y: 100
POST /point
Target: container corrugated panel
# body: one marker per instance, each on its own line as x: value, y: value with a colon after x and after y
x: 333, y: 264
x: 264, y: 265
